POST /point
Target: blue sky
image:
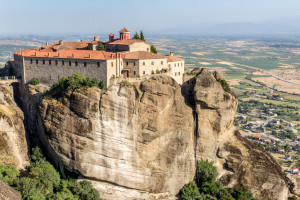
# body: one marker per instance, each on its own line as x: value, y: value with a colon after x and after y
x: 93, y: 16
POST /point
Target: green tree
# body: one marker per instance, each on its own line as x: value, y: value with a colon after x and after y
x: 100, y: 47
x: 76, y: 81
x: 212, y: 188
x: 190, y: 192
x: 206, y: 172
x: 142, y: 36
x: 8, y: 174
x: 224, y: 85
x: 101, y: 85
x: 37, y: 155
x: 153, y: 49
x: 35, y: 81
x: 85, y: 190
x: 136, y: 36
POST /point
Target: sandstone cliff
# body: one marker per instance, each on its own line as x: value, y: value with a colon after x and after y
x: 13, y: 143
x: 141, y: 140
x: 8, y: 193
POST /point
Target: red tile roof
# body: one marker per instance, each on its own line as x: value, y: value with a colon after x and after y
x: 143, y: 55
x: 124, y: 30
x: 66, y: 45
x: 174, y: 59
x: 71, y: 54
x: 127, y: 42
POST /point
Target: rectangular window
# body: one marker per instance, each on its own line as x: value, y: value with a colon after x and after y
x: 76, y: 63
x: 43, y: 62
x: 30, y: 61
x: 49, y: 62
x: 70, y: 63
x: 111, y: 64
x: 152, y: 63
x: 144, y: 63
x: 133, y: 63
x: 98, y: 64
x: 84, y: 64
x: 178, y: 73
x: 126, y: 63
x: 63, y: 62
x: 144, y: 72
x: 134, y: 72
x: 175, y: 73
x: 56, y: 63
x: 162, y: 62
x: 36, y: 61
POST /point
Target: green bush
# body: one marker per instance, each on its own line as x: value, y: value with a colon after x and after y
x: 8, y: 174
x: 35, y: 81
x: 224, y: 85
x: 206, y: 172
x: 190, y: 191
x: 153, y: 49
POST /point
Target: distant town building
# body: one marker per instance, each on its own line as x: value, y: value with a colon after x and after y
x: 123, y: 57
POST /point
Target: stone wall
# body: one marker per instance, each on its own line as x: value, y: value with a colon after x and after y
x: 139, y: 46
x: 146, y: 66
x: 176, y: 70
x: 59, y: 67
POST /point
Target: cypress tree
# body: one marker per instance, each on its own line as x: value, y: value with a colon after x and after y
x: 136, y: 36
x: 142, y: 36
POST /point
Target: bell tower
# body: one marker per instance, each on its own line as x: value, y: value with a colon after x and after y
x: 124, y: 34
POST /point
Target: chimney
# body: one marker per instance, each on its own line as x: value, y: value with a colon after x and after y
x: 90, y: 56
x: 58, y: 54
x: 46, y: 43
x: 81, y: 41
x: 96, y: 38
x: 61, y: 42
x: 171, y: 53
x: 73, y: 56
x: 48, y: 54
x: 35, y: 54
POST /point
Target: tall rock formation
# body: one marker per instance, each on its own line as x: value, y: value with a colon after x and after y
x: 13, y: 143
x: 135, y: 136
x: 239, y: 162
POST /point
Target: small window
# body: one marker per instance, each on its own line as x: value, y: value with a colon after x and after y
x: 43, y: 62
x: 98, y: 64
x: 133, y: 63
x: 36, y: 61
x: 144, y: 63
x: 70, y: 63
x: 134, y: 72
x: 144, y: 72
x: 30, y: 61
x: 63, y: 62
x: 56, y: 63
x: 175, y: 73
x: 126, y: 63
x: 178, y: 73
x: 152, y: 63
x: 162, y: 62
x: 49, y: 62
x: 84, y: 64
x: 175, y: 65
x: 76, y: 63
x: 111, y: 64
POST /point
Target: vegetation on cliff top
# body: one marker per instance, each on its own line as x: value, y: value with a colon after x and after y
x: 207, y: 187
x: 41, y: 181
x: 73, y: 83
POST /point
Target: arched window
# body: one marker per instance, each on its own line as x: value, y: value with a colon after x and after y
x: 98, y: 64
x: 36, y: 61
x: 49, y: 62
x: 70, y: 63
x: 84, y: 64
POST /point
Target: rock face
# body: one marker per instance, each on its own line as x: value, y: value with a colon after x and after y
x: 239, y: 162
x: 135, y: 136
x: 141, y: 141
x: 8, y: 193
x: 13, y: 143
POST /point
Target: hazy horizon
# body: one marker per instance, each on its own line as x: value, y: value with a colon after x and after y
x: 168, y: 16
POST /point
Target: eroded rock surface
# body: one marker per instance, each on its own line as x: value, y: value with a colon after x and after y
x: 13, y: 143
x: 8, y: 193
x: 238, y: 161
x: 135, y: 136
